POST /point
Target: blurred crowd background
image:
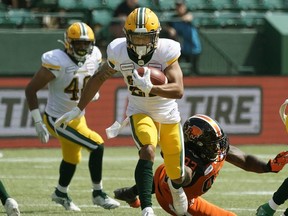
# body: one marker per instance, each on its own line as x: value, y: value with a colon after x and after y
x: 235, y: 37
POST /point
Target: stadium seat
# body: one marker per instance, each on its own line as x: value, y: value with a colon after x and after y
x: 93, y: 4
x: 272, y: 5
x: 102, y: 17
x: 246, y: 4
x: 70, y: 4
x: 196, y: 5
x: 17, y: 16
x: 219, y: 4
x: 165, y: 5
x: 113, y: 4
x: 148, y: 3
x: 252, y: 18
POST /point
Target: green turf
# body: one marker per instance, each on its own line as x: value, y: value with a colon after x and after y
x: 30, y: 176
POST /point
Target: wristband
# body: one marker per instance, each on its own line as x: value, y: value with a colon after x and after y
x: 36, y: 115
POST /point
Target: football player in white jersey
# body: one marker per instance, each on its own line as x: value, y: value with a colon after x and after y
x: 152, y: 109
x: 66, y: 72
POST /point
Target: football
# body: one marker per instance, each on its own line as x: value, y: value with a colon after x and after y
x: 157, y: 77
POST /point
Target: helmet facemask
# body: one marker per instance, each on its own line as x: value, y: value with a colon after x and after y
x: 213, y: 151
x: 79, y: 49
x: 142, y: 43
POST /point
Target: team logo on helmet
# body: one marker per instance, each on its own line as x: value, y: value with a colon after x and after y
x: 193, y: 132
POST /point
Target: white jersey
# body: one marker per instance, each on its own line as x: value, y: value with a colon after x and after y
x: 65, y: 90
x: 162, y: 110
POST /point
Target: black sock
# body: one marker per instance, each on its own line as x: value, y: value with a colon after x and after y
x: 95, y: 164
x: 3, y: 193
x: 66, y: 172
x: 144, y: 179
x: 176, y: 186
x: 281, y: 195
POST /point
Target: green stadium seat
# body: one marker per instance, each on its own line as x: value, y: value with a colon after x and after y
x: 247, y: 4
x: 252, y: 19
x: 196, y: 4
x: 17, y: 16
x: 149, y: 4
x: 70, y: 4
x: 102, y: 17
x: 272, y: 4
x: 93, y: 4
x: 113, y: 4
x: 219, y: 4
x: 165, y: 5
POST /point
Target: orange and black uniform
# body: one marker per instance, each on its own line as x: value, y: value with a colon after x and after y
x: 204, y: 176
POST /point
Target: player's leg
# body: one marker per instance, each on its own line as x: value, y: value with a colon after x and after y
x: 99, y: 197
x: 162, y: 190
x: 145, y: 135
x: 129, y: 195
x: 71, y: 156
x: 279, y: 197
x: 172, y: 146
x: 10, y: 204
x: 201, y: 207
x: 72, y: 139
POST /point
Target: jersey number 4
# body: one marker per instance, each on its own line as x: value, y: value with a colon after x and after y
x: 73, y: 87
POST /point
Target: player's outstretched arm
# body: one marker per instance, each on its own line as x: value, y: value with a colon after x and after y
x: 251, y: 163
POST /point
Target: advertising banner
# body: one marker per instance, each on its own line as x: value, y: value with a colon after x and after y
x: 246, y: 107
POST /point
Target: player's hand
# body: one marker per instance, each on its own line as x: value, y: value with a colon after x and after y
x: 143, y: 83
x: 42, y: 132
x: 278, y: 162
x: 67, y: 117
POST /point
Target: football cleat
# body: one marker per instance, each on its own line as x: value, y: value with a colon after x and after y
x: 103, y: 200
x: 65, y: 201
x: 126, y: 194
x: 11, y: 207
x: 148, y: 211
x: 265, y: 210
x: 179, y: 197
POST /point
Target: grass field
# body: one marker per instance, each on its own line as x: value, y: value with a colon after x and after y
x: 30, y: 176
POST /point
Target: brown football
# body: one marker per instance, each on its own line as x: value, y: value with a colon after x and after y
x: 157, y: 77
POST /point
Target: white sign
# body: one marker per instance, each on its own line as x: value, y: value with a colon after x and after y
x: 15, y: 118
x: 237, y: 109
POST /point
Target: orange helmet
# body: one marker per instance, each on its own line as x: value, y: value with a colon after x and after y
x: 142, y: 28
x: 79, y: 40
